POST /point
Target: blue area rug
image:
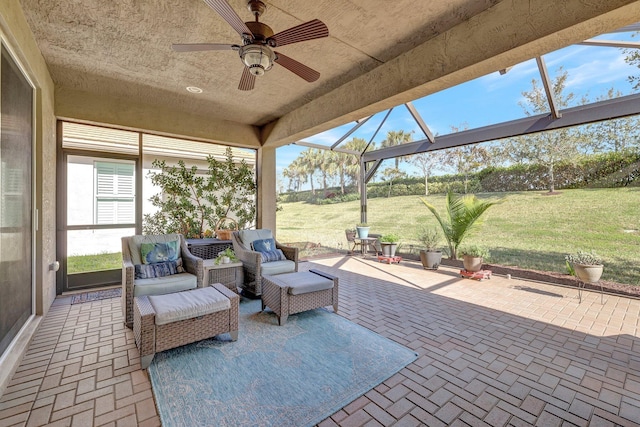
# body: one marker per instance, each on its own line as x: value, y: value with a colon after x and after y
x: 292, y: 375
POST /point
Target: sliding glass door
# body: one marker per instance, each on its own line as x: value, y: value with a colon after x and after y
x: 16, y: 203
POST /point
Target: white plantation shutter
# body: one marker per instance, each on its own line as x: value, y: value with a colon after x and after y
x: 115, y: 193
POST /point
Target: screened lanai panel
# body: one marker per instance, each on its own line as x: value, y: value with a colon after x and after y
x: 592, y: 73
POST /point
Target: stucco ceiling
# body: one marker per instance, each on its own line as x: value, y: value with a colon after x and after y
x: 122, y: 50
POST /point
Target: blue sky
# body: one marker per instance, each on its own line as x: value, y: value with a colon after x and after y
x: 493, y: 98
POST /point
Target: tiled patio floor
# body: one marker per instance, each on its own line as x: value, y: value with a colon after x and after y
x: 492, y: 353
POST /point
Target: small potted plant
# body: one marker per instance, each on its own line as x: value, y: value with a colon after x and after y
x: 430, y: 256
x: 473, y: 257
x: 226, y: 256
x: 587, y: 266
x: 362, y: 230
x: 389, y: 243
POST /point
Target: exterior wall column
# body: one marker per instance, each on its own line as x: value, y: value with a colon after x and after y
x: 266, y: 197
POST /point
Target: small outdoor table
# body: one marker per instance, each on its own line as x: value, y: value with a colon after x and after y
x: 365, y: 242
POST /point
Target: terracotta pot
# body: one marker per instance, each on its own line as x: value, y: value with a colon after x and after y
x: 472, y: 263
x: 588, y: 273
x: 430, y: 259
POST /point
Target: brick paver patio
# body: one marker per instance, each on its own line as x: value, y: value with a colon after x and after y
x: 492, y: 353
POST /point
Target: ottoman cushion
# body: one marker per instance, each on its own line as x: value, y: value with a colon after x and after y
x: 305, y: 282
x: 186, y: 305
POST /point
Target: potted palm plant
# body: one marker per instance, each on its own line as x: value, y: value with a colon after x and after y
x: 587, y: 266
x: 430, y: 256
x: 463, y: 216
x: 389, y: 243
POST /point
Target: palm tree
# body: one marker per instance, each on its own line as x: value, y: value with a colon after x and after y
x: 463, y: 216
x: 311, y: 161
x: 397, y: 137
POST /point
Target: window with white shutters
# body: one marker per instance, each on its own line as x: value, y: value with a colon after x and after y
x: 114, y: 193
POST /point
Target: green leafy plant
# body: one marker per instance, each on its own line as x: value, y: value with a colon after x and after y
x: 390, y: 238
x: 226, y: 253
x: 191, y: 202
x: 430, y: 239
x: 463, y: 216
x: 584, y: 258
x: 475, y: 251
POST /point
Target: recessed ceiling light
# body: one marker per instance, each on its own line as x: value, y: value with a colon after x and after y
x: 194, y: 89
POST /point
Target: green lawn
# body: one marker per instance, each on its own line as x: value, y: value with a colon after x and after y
x: 529, y: 230
x: 98, y: 262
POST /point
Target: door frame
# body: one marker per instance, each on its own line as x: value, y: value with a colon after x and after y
x: 94, y: 279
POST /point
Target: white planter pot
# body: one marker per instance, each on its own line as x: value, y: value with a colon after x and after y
x: 430, y: 259
x: 588, y: 273
x: 389, y: 249
x: 472, y: 263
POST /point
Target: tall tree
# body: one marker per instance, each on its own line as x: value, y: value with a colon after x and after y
x: 551, y: 147
x: 467, y: 159
x: 397, y: 137
x: 311, y: 161
x: 426, y: 162
x: 390, y: 175
x: 353, y: 161
x: 615, y: 135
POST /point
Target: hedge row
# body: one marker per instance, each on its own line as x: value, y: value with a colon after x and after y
x: 606, y: 170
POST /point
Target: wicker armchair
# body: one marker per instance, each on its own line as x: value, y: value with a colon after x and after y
x: 252, y: 263
x: 193, y: 277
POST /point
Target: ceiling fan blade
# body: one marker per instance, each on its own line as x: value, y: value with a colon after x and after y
x: 308, y: 31
x: 196, y: 47
x: 247, y: 81
x: 229, y: 15
x: 297, y: 68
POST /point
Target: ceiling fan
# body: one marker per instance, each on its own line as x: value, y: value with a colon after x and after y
x: 258, y: 41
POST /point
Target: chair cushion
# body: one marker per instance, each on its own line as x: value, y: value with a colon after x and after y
x: 164, y: 285
x: 136, y: 241
x: 248, y: 236
x: 187, y: 305
x: 264, y: 245
x: 278, y: 267
x: 159, y: 252
x: 158, y: 269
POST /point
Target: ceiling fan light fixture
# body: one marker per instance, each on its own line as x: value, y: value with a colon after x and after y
x: 257, y: 57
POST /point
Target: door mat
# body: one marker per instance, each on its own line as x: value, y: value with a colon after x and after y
x: 96, y: 295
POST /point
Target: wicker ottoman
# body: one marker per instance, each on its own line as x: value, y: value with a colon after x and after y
x: 291, y: 293
x: 166, y: 321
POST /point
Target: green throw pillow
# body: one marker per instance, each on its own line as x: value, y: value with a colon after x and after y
x: 159, y: 252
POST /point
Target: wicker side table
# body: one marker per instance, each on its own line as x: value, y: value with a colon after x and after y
x: 231, y: 274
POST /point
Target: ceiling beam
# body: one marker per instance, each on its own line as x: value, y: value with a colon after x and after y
x: 508, y: 33
x: 595, y: 112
